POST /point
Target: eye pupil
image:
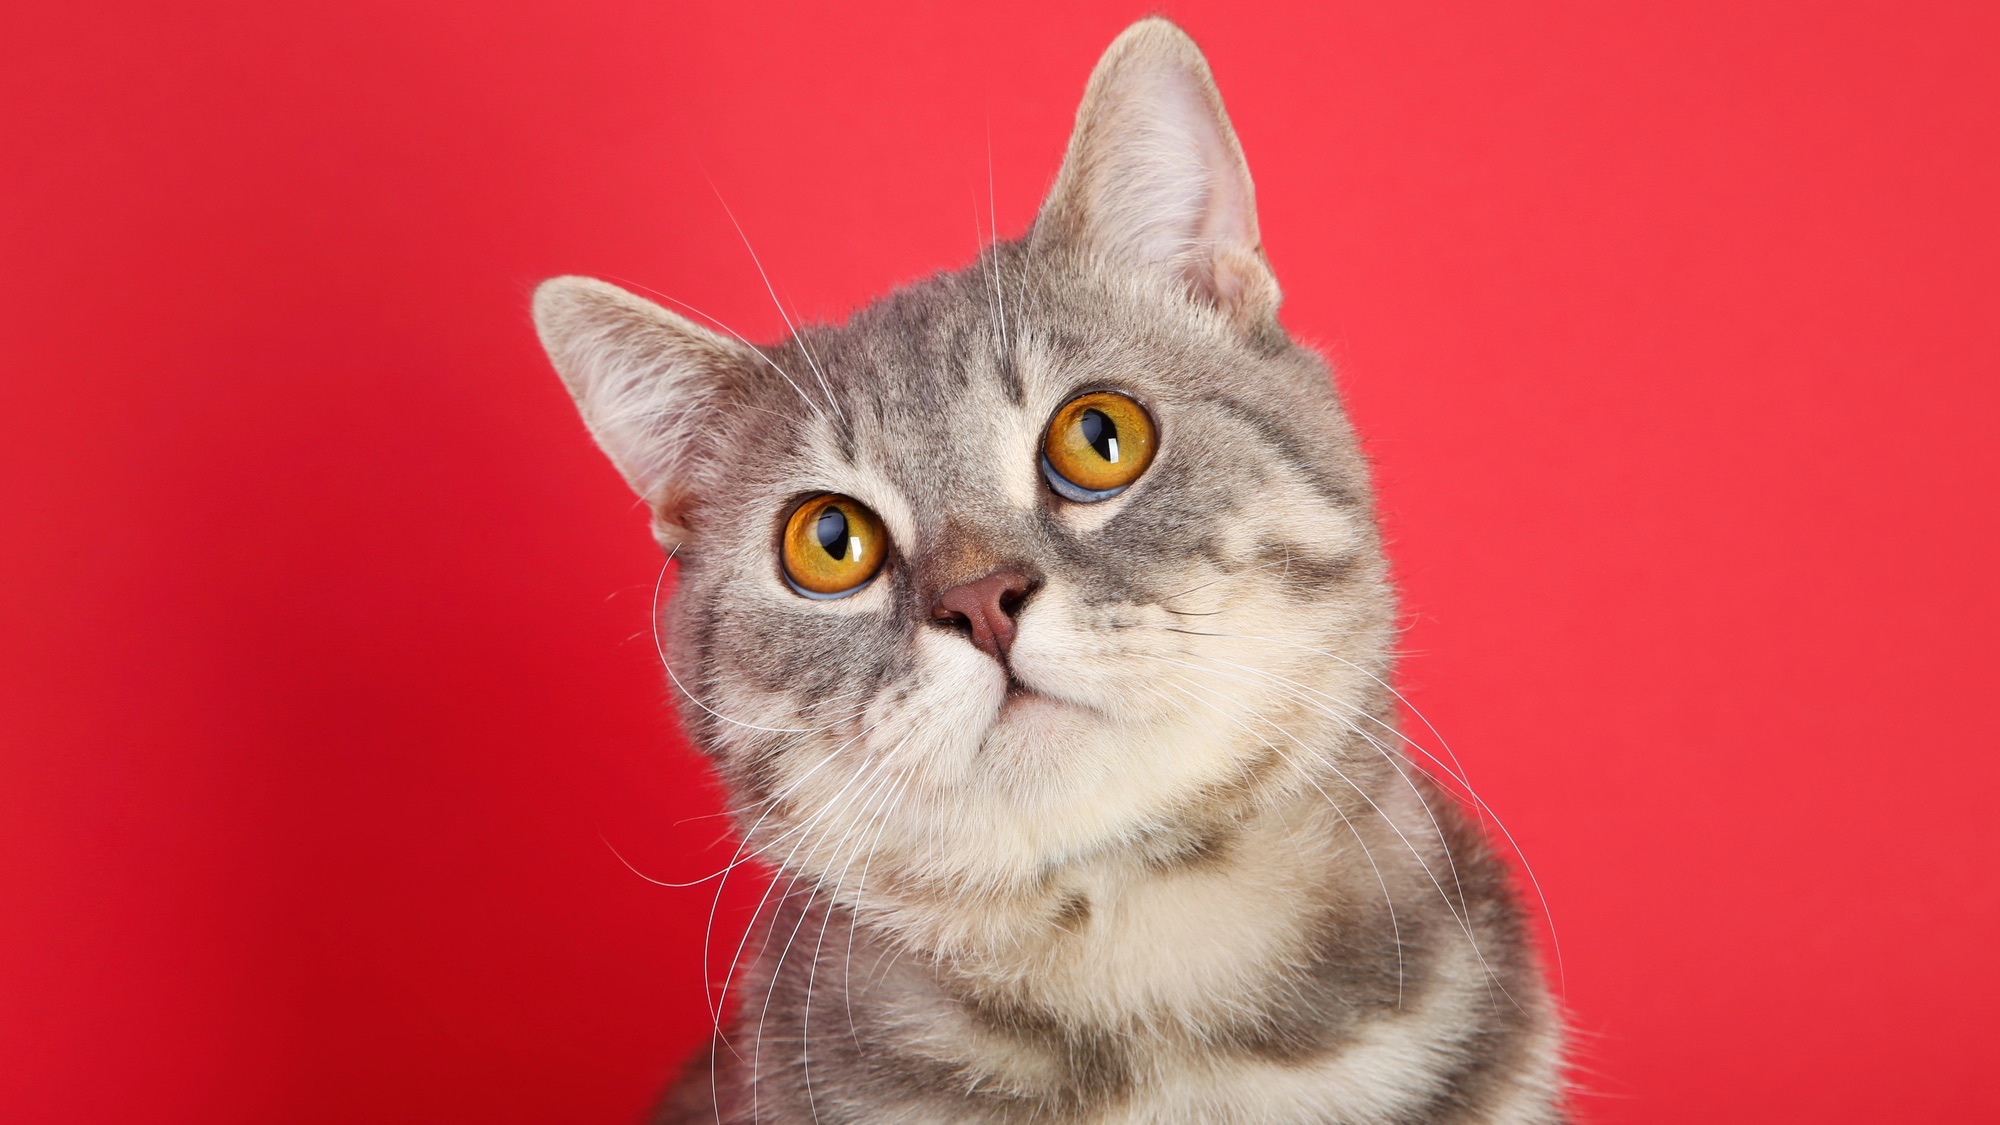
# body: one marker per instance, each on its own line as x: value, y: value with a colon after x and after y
x: 831, y: 531
x: 1096, y: 445
x: 832, y: 546
x: 1100, y: 433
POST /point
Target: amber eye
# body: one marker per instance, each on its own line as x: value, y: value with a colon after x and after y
x: 1096, y: 445
x: 832, y: 547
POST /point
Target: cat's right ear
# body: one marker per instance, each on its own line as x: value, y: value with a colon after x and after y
x: 1154, y: 184
x: 646, y: 381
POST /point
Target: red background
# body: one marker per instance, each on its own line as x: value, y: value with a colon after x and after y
x: 325, y: 675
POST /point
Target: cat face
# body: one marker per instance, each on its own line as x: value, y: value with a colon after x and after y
x: 1064, y: 556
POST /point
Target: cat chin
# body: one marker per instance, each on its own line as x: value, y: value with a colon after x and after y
x: 1032, y: 712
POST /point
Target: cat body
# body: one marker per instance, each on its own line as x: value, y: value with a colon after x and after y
x: 1081, y: 777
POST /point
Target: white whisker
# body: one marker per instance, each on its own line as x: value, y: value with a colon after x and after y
x: 1388, y: 901
x: 768, y: 288
x: 1454, y: 770
x: 993, y: 255
x: 1464, y: 922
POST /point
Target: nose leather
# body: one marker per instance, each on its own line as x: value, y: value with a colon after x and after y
x: 985, y: 609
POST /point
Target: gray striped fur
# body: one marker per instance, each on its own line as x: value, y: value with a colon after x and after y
x: 1192, y: 875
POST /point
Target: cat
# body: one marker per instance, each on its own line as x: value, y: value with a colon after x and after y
x: 1037, y: 623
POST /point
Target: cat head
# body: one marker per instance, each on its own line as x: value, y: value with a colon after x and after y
x: 1065, y: 556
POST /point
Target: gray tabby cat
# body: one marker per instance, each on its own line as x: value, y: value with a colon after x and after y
x: 1037, y: 622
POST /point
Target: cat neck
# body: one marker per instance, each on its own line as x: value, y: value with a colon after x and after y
x: 1182, y: 929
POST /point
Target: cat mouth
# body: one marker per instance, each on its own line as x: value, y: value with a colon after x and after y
x: 1021, y: 699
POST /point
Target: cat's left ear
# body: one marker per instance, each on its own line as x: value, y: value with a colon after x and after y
x: 1154, y: 181
x: 652, y: 386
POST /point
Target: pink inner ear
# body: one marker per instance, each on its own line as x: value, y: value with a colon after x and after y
x: 1217, y: 226
x: 1227, y: 282
x: 1154, y: 181
x: 1225, y: 229
x: 1226, y: 218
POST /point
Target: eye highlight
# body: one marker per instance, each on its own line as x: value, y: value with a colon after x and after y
x: 1096, y: 445
x: 832, y: 546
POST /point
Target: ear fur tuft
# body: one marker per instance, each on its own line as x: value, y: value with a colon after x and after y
x: 643, y: 378
x: 1154, y: 180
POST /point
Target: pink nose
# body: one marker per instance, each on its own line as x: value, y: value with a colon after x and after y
x: 985, y: 609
